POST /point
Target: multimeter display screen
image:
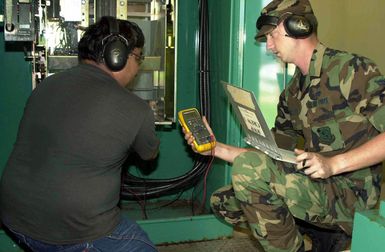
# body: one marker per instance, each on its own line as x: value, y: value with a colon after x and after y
x: 196, y: 126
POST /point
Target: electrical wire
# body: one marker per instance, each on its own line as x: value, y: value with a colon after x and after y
x: 135, y: 188
x: 138, y: 188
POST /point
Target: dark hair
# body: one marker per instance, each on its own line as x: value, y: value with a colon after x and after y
x: 90, y: 45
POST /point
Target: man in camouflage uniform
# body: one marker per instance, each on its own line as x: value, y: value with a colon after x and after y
x: 334, y: 103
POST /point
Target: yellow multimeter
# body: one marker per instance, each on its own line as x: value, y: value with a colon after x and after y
x: 191, y: 120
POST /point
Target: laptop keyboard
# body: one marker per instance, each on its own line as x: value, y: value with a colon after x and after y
x: 272, y: 149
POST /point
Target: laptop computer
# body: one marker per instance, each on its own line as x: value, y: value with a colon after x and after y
x: 254, y: 126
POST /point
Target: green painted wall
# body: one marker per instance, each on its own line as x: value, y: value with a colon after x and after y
x: 220, y: 20
x: 15, y: 87
x: 369, y: 230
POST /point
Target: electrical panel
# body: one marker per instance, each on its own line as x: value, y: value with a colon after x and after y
x: 155, y: 82
x: 19, y: 20
x: 55, y: 26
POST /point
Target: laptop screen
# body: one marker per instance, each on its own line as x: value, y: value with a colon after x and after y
x: 249, y: 114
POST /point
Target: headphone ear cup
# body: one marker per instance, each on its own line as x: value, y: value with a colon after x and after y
x: 115, y: 53
x: 298, y: 26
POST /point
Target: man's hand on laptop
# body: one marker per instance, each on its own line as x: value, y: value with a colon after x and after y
x: 313, y: 164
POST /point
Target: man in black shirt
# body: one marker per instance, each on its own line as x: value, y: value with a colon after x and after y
x: 61, y: 185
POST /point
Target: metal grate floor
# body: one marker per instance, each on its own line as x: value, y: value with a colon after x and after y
x: 244, y: 244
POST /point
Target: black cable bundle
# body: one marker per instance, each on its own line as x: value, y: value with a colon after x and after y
x: 136, y: 188
x: 204, y: 74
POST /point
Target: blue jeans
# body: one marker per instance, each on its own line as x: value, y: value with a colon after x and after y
x: 127, y: 236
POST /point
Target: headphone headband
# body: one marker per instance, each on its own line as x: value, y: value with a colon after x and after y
x: 296, y: 26
x: 113, y: 26
x: 267, y: 20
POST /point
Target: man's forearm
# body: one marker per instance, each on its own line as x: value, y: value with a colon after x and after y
x: 370, y: 153
x: 227, y: 152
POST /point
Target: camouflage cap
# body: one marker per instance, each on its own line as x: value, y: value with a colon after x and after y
x: 277, y: 10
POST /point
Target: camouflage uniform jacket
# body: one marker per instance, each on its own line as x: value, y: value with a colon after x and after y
x: 338, y: 107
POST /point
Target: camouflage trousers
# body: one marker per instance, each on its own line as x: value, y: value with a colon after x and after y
x: 267, y: 196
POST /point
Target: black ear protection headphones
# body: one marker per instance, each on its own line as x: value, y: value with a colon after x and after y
x: 296, y: 26
x: 115, y: 47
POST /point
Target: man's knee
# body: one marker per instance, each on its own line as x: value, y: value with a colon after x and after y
x: 251, y: 168
x: 247, y: 164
